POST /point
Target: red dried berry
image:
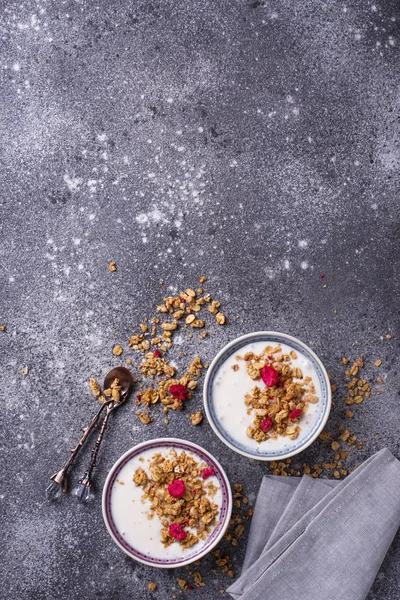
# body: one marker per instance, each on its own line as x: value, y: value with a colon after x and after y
x: 157, y: 353
x: 138, y: 396
x: 269, y: 375
x: 189, y: 587
x: 175, y: 529
x: 182, y: 299
x: 280, y: 383
x: 179, y: 391
x: 266, y: 424
x: 321, y: 276
x: 295, y: 414
x: 270, y: 358
x: 207, y: 472
x: 176, y: 488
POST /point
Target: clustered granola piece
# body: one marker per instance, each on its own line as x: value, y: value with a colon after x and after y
x: 279, y: 407
x: 196, y: 418
x: 179, y: 497
x: 114, y: 391
x: 152, y: 586
x: 95, y: 387
x: 112, y: 266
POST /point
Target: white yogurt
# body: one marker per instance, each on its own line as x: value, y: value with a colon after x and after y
x: 130, y: 512
x: 229, y: 390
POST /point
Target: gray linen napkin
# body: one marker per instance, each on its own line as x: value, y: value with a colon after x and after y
x: 317, y: 539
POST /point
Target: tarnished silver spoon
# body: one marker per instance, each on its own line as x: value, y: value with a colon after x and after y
x: 85, y: 490
x: 59, y: 481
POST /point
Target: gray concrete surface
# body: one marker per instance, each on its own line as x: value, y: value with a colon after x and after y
x: 253, y: 141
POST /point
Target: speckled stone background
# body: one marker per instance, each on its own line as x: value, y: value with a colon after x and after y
x: 256, y: 142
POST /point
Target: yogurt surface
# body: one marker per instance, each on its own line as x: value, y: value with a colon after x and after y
x: 230, y: 387
x: 130, y: 513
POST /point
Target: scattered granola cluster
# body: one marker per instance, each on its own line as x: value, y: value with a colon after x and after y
x: 358, y: 389
x: 185, y: 309
x: 169, y: 391
x: 156, y: 338
x: 240, y: 515
x: 279, y: 407
x: 180, y: 496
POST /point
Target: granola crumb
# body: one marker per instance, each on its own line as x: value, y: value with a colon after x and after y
x: 182, y: 583
x: 220, y: 318
x: 112, y: 266
x: 152, y: 586
x: 198, y: 579
x: 2, y: 327
x: 378, y: 363
x: 196, y: 418
x: 95, y: 387
x: 203, y: 278
x: 128, y: 361
x: 117, y: 351
x: 388, y: 336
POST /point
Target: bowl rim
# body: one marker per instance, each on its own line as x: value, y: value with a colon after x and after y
x: 167, y: 441
x: 212, y: 368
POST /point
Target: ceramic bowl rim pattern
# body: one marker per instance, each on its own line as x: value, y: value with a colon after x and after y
x: 215, y: 536
x: 267, y: 336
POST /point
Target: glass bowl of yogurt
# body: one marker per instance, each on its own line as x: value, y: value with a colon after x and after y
x: 167, y: 472
x: 267, y: 395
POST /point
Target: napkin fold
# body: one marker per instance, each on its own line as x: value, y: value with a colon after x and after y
x: 317, y: 539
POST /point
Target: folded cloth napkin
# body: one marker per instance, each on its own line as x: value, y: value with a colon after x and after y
x: 317, y: 539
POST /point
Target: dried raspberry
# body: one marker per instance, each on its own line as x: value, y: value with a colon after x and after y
x: 207, y: 472
x: 157, y: 353
x: 269, y: 375
x: 182, y: 299
x: 189, y: 587
x: 321, y: 276
x: 175, y: 529
x: 295, y: 413
x: 280, y: 383
x: 270, y: 358
x: 138, y: 396
x: 178, y: 391
x: 266, y: 424
x: 176, y: 488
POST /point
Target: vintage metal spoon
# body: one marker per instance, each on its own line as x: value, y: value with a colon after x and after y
x: 59, y: 481
x: 85, y: 490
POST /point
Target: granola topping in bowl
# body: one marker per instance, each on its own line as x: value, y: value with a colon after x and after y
x: 163, y: 506
x: 266, y: 395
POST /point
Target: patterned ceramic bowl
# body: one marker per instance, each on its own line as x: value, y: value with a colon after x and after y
x: 114, y: 478
x: 221, y: 421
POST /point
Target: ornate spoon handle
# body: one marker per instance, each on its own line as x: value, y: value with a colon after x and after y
x: 84, y: 491
x: 59, y: 481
